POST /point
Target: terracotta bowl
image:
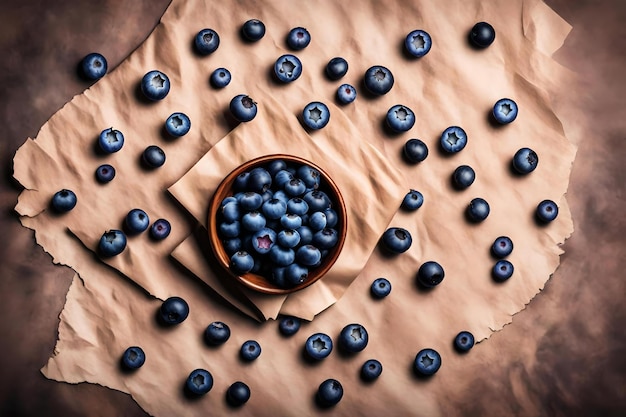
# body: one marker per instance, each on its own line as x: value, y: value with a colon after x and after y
x: 259, y: 282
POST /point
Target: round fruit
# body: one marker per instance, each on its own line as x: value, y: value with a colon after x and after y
x: 482, y: 35
x: 64, y: 201
x: 133, y: 357
x: 427, y: 362
x: 430, y: 274
x: 173, y: 311
x: 547, y: 211
x: 199, y: 382
x: 418, y: 43
x: 207, y: 41
x: 464, y: 341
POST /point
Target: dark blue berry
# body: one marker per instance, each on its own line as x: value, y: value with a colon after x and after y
x: 216, y: 333
x: 178, y: 124
x: 318, y: 346
x: 93, y: 66
x: 243, y: 108
x: 155, y: 85
x: 396, y: 240
x: 250, y: 350
x: 430, y: 274
x: 315, y: 115
x: 463, y: 177
x: 253, y: 30
x: 111, y: 140
x: 64, y: 201
x: 525, y: 161
x: 415, y: 150
x: 136, y: 221
x: 207, y: 41
x: 464, y: 341
x: 502, y: 247
x: 289, y: 325
x: 478, y: 210
x: 378, y: 80
x: 427, y: 362
x: 482, y: 35
x: 380, y: 288
x: 547, y: 211
x: 504, y: 111
x: 412, y: 200
x: 112, y: 243
x: 153, y: 156
x: 288, y: 68
x: 133, y: 358
x: 160, y: 229
x: 453, y: 139
x: 418, y: 43
x: 105, y: 173
x: 346, y: 93
x: 220, y: 78
x: 298, y: 38
x: 502, y: 270
x: 371, y: 370
x: 199, y: 382
x: 238, y: 394
x: 329, y: 393
x: 353, y: 338
x: 336, y: 68
x: 400, y: 118
x: 173, y: 311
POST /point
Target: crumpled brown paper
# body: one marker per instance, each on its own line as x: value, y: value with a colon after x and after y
x: 452, y: 85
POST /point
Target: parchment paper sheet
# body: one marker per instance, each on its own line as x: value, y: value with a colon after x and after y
x: 452, y: 85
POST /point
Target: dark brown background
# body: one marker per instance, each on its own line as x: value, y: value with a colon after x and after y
x: 564, y: 356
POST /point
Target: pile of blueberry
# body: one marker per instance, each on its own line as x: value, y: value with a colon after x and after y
x: 278, y: 223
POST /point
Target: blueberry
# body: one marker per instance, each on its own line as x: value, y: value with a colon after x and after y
x: 453, y: 139
x: 415, y: 150
x: 309, y: 175
x: 153, y: 156
x: 318, y: 346
x: 229, y: 230
x: 93, y: 66
x: 277, y: 277
x: 478, y: 210
x: 295, y: 187
x: 282, y: 177
x: 263, y: 240
x: 133, y: 358
x: 298, y: 38
x: 396, y: 240
x: 308, y: 255
x: 250, y: 350
x: 250, y: 201
x: 281, y: 256
x: 291, y: 221
x: 238, y: 394
x: 502, y: 270
x: 160, y: 229
x: 253, y: 221
x: 306, y: 235
x: 296, y: 274
x: 259, y: 180
x: 346, y: 93
x: 288, y: 238
x: 381, y: 287
x: 412, y: 200
x: 482, y: 35
x: 173, y: 311
x: 243, y: 108
x: 241, y: 262
x: 199, y: 382
x: 274, y: 208
x: 155, y: 85
x: 378, y: 80
x: 232, y: 245
x: 317, y: 221
x: 230, y: 211
x: 502, y: 247
x: 288, y: 68
x: 329, y: 393
x: 207, y: 41
x: 240, y: 183
x: 326, y: 238
x: 276, y: 165
x: 418, y: 43
x: 505, y: 111
x: 178, y: 124
x: 430, y: 274
x: 547, y: 211
x: 289, y: 325
x: 353, y: 338
x: 332, y: 219
x: 317, y: 200
x: 464, y: 341
x: 463, y: 176
x: 136, y: 221
x: 220, y: 78
x: 315, y: 115
x: 253, y: 30
x: 336, y: 68
x: 525, y: 161
x: 111, y: 140
x: 64, y: 201
x: 371, y: 370
x: 427, y: 362
x: 105, y: 173
x: 400, y: 118
x: 112, y: 243
x: 216, y: 333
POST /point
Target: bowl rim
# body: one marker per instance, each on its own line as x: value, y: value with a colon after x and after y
x: 255, y: 281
